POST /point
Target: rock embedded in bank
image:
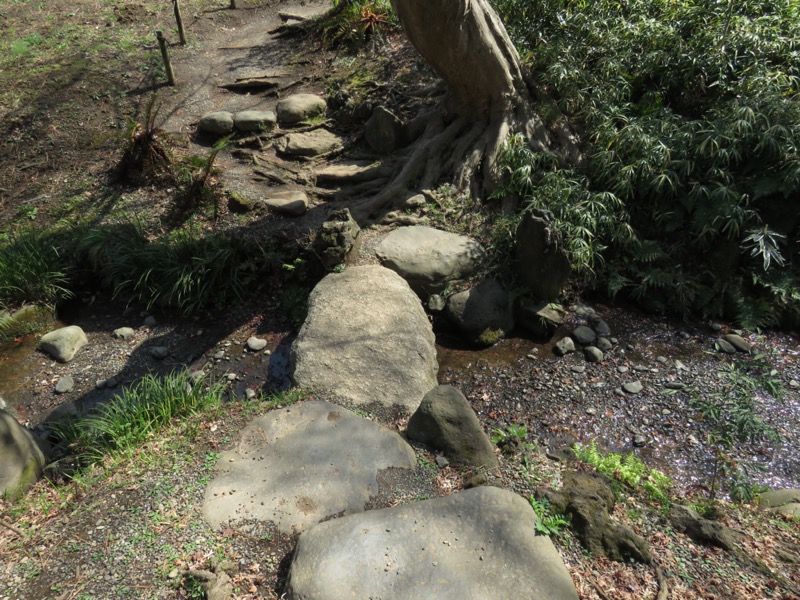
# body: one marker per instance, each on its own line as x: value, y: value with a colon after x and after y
x: 310, y: 144
x: 301, y: 464
x: 428, y: 259
x: 445, y: 421
x: 483, y: 315
x: 254, y: 120
x: 216, y: 123
x: 366, y: 338
x: 299, y: 107
x: 292, y: 203
x: 21, y: 459
x: 479, y: 543
x: 64, y: 343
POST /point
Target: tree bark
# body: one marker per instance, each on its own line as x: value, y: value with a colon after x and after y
x: 467, y: 45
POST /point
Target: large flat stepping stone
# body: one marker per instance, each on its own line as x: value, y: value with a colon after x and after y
x: 301, y: 464
x: 350, y: 172
x: 313, y: 143
x: 292, y: 203
x: 367, y: 339
x: 429, y: 258
x: 478, y: 544
x: 300, y: 107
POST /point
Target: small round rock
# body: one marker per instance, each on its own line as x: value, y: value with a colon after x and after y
x: 255, y: 344
x: 633, y: 387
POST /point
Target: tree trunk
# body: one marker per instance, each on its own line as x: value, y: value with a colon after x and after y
x: 467, y: 45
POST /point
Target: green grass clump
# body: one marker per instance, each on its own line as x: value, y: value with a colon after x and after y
x: 33, y: 270
x: 138, y: 413
x: 356, y: 23
x: 627, y: 469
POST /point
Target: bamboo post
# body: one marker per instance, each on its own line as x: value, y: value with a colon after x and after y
x: 179, y: 21
x: 162, y: 42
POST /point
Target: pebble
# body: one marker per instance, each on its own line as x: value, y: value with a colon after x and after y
x: 641, y: 368
x: 693, y: 440
x: 680, y: 366
x: 591, y: 410
x: 65, y: 384
x: 578, y: 369
x: 794, y: 383
x: 159, y: 352
x: 564, y: 346
x: 622, y: 369
x: 249, y: 393
x: 715, y: 326
x: 255, y: 344
x: 231, y: 376
x: 738, y: 342
x: 602, y: 329
x: 604, y: 344
x: 723, y: 345
x: 675, y: 385
x: 633, y: 387
x: 219, y: 355
x: 584, y: 335
x: 100, y: 384
x: 639, y: 441
x: 150, y: 321
x: 662, y: 360
x: 684, y: 335
x: 592, y: 354
x: 123, y: 333
x: 442, y: 462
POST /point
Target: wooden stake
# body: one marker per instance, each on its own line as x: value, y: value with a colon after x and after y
x: 179, y: 21
x: 162, y: 42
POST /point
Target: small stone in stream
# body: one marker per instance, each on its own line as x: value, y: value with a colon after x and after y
x: 231, y: 376
x: 65, y: 384
x: 738, y: 342
x: 100, y: 384
x: 123, y: 333
x: 639, y: 441
x: 684, y: 335
x: 680, y: 366
x: 584, y: 335
x: 219, y: 355
x: 592, y: 354
x: 604, y: 344
x: 794, y: 383
x: 630, y: 347
x: 442, y: 462
x: 723, y: 345
x: 255, y: 344
x: 578, y: 369
x: 436, y: 303
x: 666, y: 412
x: 662, y: 360
x: 591, y: 410
x: 602, y: 329
x: 159, y: 352
x: 614, y: 340
x: 715, y: 326
x: 693, y: 440
x: 622, y: 369
x: 111, y: 382
x: 249, y: 393
x: 675, y: 385
x: 150, y: 321
x: 633, y: 387
x: 564, y: 346
x: 641, y: 368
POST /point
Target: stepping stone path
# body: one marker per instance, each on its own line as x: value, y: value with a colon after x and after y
x: 301, y: 464
x: 299, y: 107
x: 292, y: 203
x: 477, y: 544
x: 312, y: 143
x: 367, y: 340
x: 428, y: 259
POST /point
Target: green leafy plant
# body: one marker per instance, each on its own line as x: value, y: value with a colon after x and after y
x: 627, y: 469
x: 146, y: 153
x: 512, y: 432
x: 547, y: 522
x: 194, y: 174
x: 356, y: 23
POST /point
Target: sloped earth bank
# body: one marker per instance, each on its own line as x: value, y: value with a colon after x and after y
x: 136, y: 531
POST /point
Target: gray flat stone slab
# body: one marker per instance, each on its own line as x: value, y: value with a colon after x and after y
x: 313, y: 143
x: 299, y: 107
x: 429, y: 258
x: 477, y: 544
x: 301, y: 464
x: 367, y: 339
x: 293, y: 203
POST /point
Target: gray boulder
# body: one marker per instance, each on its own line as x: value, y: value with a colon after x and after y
x: 216, y: 123
x: 254, y: 120
x: 564, y: 346
x: 538, y: 318
x: 478, y: 544
x: 584, y: 335
x: 775, y: 498
x: 593, y: 354
x: 300, y: 107
x: 62, y: 344
x: 738, y: 342
x: 429, y: 258
x: 21, y: 459
x: 337, y: 239
x: 123, y: 333
x: 301, y: 464
x: 483, y: 314
x: 703, y: 531
x: 366, y: 338
x: 542, y: 264
x: 445, y: 421
x: 312, y: 143
x: 383, y: 131
x: 292, y: 203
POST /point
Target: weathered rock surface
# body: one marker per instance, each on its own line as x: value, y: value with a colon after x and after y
x: 312, y: 143
x: 301, y: 464
x: 588, y: 500
x: 445, y: 421
x: 429, y: 258
x: 483, y: 314
x: 21, y: 459
x: 775, y: 498
x: 738, y: 342
x: 542, y: 264
x: 337, y: 239
x: 292, y: 203
x: 62, y: 344
x: 564, y: 346
x: 65, y: 384
x: 299, y: 107
x: 123, y: 333
x: 701, y: 530
x: 216, y: 123
x: 383, y: 131
x: 254, y: 120
x: 478, y: 544
x: 538, y: 318
x: 367, y: 339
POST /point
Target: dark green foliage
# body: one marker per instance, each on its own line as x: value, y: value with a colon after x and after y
x: 690, y: 119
